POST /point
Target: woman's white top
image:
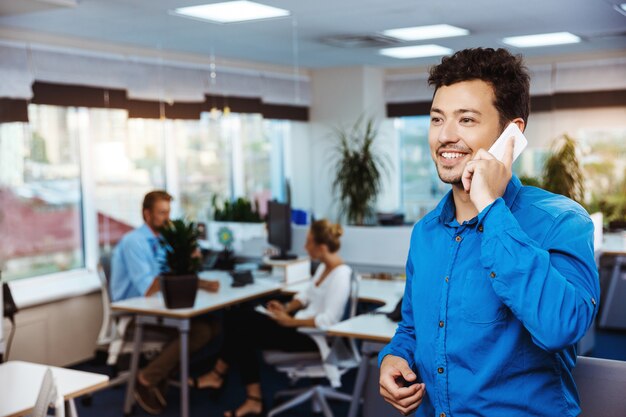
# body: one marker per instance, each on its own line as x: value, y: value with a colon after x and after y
x: 326, y: 302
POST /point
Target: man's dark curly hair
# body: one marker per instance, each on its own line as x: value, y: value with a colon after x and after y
x: 506, y: 73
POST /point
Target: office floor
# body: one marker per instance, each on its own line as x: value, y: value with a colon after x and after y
x: 109, y: 402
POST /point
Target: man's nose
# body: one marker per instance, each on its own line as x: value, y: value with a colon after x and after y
x: 448, y: 133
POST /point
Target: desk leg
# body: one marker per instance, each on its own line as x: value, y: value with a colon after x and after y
x: 134, y: 366
x: 368, y: 350
x: 184, y: 368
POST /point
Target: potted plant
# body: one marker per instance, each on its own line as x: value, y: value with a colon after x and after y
x: 562, y: 173
x: 239, y: 210
x: 179, y: 284
x: 358, y: 172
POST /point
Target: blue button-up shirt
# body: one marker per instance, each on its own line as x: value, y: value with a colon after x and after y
x: 493, y: 307
x: 137, y: 259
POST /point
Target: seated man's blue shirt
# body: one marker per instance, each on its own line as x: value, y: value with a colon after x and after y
x: 493, y: 307
x: 137, y: 259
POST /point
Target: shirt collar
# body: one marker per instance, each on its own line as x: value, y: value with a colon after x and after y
x: 446, y: 210
x: 147, y: 232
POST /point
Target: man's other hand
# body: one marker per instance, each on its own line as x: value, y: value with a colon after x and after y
x: 395, y: 373
x: 210, y: 286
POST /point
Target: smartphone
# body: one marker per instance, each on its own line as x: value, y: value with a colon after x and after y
x: 498, y: 147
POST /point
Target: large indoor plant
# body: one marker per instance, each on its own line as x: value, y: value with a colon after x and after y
x: 562, y: 173
x: 359, y: 170
x: 179, y: 284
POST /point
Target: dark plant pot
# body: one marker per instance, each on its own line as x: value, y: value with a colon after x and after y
x: 179, y: 291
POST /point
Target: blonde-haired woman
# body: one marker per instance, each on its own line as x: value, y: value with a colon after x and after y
x: 321, y: 304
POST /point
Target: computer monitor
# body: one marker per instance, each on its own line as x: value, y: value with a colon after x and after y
x: 279, y: 229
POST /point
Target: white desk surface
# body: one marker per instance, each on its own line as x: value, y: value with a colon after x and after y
x: 373, y: 327
x: 614, y: 243
x: 205, y: 301
x: 20, y: 382
x: 385, y: 292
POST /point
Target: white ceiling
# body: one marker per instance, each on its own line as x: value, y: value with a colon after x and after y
x: 147, y: 24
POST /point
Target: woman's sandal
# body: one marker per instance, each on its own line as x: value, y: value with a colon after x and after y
x: 233, y: 413
x: 214, y: 392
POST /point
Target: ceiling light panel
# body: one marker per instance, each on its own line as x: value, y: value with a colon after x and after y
x: 231, y: 12
x: 416, y: 51
x: 417, y: 33
x: 545, y: 39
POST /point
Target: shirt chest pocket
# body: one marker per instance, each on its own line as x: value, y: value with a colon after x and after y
x: 480, y: 304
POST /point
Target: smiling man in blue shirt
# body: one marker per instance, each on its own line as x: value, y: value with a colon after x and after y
x: 501, y: 278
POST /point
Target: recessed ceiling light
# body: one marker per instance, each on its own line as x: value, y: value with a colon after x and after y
x: 231, y: 11
x: 621, y: 8
x: 416, y: 51
x: 546, y: 39
x: 425, y: 32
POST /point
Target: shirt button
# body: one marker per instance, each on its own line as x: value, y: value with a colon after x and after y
x: 440, y: 370
x: 480, y: 228
x: 441, y: 324
x: 447, y: 279
x: 458, y: 238
x: 492, y: 275
x: 593, y: 301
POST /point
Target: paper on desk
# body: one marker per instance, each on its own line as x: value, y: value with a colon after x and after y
x: 261, y: 309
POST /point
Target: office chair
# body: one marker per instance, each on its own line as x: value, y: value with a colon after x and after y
x: 335, y: 357
x: 48, y: 396
x: 113, y: 334
x: 601, y: 386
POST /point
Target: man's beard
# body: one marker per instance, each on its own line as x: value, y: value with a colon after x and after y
x: 449, y: 178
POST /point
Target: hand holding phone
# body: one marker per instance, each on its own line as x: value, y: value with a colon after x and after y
x: 499, y: 146
x: 490, y: 183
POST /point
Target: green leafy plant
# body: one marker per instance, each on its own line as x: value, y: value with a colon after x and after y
x: 240, y: 210
x: 532, y: 181
x: 180, y: 240
x: 359, y: 170
x: 562, y: 173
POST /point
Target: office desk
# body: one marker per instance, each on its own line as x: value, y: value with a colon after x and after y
x: 152, y: 310
x: 374, y: 329
x: 378, y: 291
x: 20, y: 383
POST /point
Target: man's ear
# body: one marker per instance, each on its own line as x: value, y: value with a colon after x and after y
x: 520, y: 123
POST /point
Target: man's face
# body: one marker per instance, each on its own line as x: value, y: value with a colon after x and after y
x: 158, y: 215
x: 463, y: 119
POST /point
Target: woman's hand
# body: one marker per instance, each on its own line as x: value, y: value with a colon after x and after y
x: 284, y: 319
x: 275, y: 306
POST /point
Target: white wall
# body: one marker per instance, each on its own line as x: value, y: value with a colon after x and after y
x: 545, y: 126
x: 60, y: 333
x: 339, y: 97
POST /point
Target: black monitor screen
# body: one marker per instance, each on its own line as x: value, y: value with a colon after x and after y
x: 279, y: 228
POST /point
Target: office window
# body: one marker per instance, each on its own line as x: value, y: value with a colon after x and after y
x: 421, y: 188
x: 40, y: 193
x: 127, y: 159
x: 238, y: 155
x: 203, y: 152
